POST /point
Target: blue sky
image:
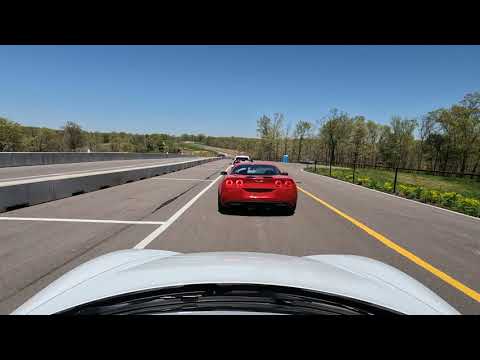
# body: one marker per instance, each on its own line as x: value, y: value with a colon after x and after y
x: 222, y: 90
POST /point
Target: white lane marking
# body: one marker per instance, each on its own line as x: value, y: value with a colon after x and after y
x: 179, y: 179
x: 142, y: 244
x: 80, y: 171
x: 394, y: 196
x: 91, y: 173
x: 83, y: 220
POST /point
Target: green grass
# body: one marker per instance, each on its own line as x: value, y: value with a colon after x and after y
x: 458, y: 194
x: 196, y: 149
x: 333, y: 167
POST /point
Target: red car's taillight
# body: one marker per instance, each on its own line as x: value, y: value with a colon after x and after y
x: 278, y: 183
x: 231, y: 182
x: 288, y: 184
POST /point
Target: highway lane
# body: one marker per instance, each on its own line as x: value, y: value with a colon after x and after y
x: 39, y: 171
x: 34, y: 253
x: 448, y: 241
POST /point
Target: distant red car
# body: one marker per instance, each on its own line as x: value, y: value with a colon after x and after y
x: 258, y: 183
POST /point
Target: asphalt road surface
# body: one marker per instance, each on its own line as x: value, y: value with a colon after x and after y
x: 40, y: 171
x: 178, y: 212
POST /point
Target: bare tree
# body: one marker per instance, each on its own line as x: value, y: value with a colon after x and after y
x: 286, y: 132
x: 278, y: 120
x: 264, y: 130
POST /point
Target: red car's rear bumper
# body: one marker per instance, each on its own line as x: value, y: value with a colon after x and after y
x: 238, y: 196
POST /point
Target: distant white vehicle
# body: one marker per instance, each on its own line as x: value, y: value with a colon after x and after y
x: 240, y: 158
x: 165, y: 282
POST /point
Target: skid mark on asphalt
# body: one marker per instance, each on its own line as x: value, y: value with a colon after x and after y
x: 169, y: 201
x: 142, y: 244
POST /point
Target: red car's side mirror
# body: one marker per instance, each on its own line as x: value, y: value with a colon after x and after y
x: 223, y: 173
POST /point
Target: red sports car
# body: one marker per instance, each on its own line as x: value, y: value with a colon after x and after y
x: 258, y: 183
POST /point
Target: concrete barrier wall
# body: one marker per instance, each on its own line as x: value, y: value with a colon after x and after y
x: 9, y: 159
x: 21, y: 195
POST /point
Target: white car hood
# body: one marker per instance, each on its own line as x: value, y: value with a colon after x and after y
x: 127, y: 271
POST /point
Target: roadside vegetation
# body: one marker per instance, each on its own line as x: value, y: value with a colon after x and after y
x: 457, y: 194
x: 445, y: 139
x: 71, y: 137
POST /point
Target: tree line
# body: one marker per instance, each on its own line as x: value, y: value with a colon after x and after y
x: 445, y: 139
x: 71, y: 137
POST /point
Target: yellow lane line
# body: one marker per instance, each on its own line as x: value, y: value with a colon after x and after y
x: 402, y: 251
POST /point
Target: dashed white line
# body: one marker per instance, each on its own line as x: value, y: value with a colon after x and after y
x: 82, y: 220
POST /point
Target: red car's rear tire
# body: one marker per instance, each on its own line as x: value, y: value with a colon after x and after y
x: 221, y: 209
x: 290, y: 210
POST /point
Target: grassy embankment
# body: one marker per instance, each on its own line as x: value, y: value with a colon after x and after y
x: 195, y: 150
x: 453, y: 193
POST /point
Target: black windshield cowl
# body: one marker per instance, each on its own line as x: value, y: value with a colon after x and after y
x: 229, y: 297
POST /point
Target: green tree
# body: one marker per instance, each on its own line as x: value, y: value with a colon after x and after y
x: 301, y: 129
x: 373, y: 134
x: 359, y: 136
x: 401, y: 139
x: 91, y: 141
x: 336, y: 131
x: 10, y: 135
x: 73, y: 137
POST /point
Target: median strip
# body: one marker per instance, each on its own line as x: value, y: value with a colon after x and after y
x: 93, y: 173
x: 400, y: 250
x: 73, y: 172
x: 28, y: 192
